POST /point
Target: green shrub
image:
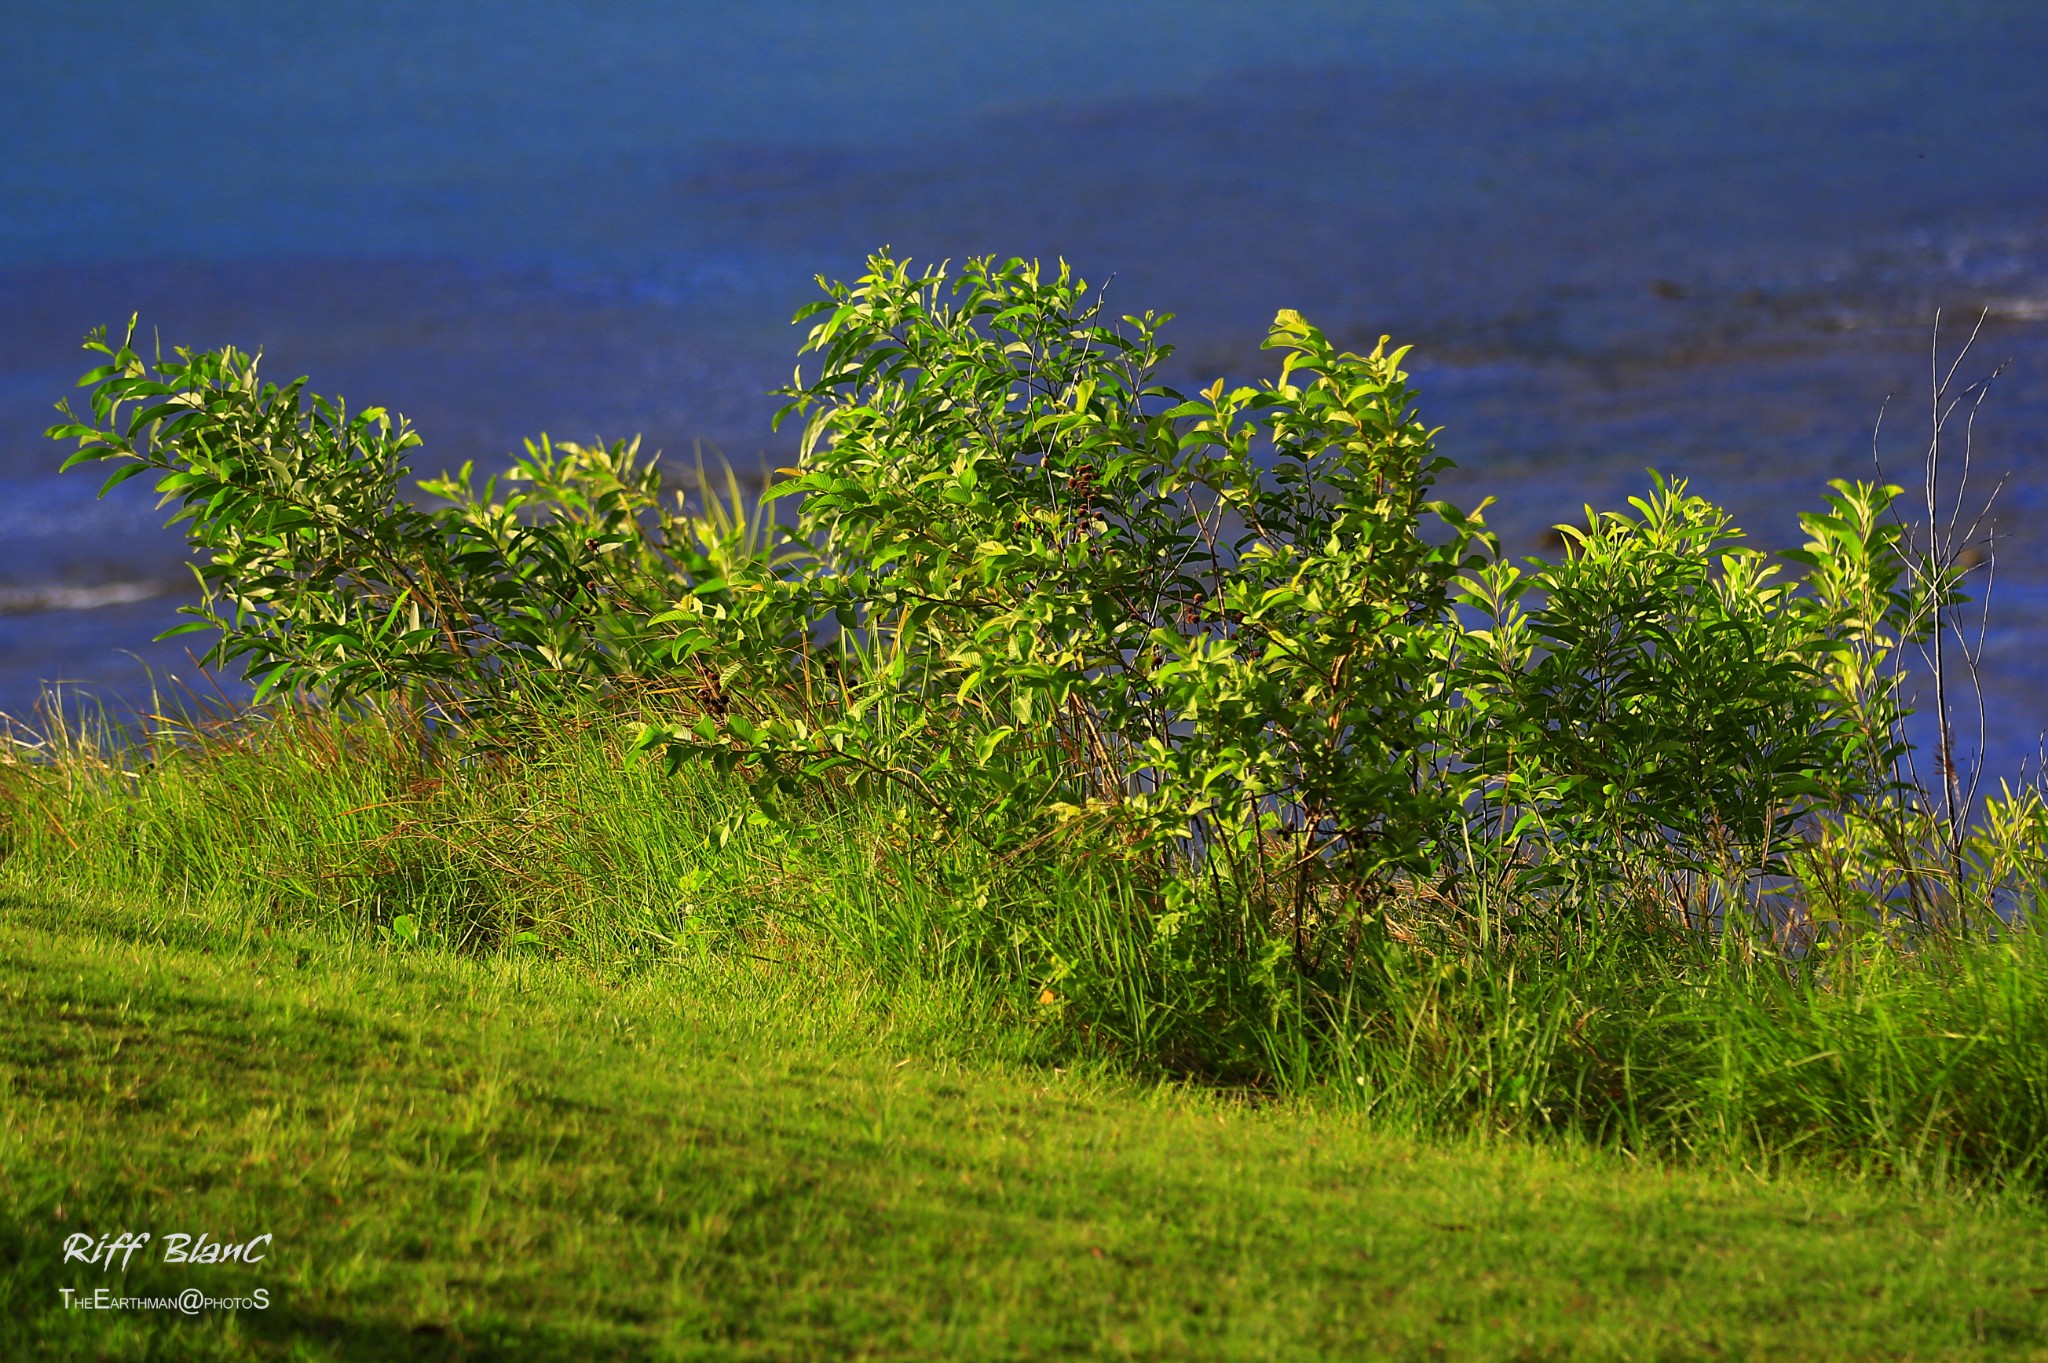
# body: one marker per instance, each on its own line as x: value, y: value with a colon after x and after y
x: 1225, y: 646
x: 1201, y: 619
x: 1183, y: 729
x: 1673, y: 714
x: 321, y: 579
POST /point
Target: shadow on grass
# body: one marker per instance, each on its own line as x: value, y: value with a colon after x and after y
x: 289, y: 1334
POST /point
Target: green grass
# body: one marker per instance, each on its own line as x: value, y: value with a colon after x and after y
x: 552, y: 1055
x: 1922, y: 1064
x: 520, y: 1158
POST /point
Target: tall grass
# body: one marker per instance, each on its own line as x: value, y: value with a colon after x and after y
x: 1916, y: 1057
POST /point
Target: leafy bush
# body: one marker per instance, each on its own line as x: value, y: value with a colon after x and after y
x: 1225, y: 642
x: 1186, y: 729
x: 1673, y: 712
x: 1204, y: 619
x: 320, y: 577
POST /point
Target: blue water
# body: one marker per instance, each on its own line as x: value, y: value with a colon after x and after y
x: 1709, y: 238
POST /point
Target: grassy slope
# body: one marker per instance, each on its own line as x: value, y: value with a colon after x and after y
x: 517, y: 1159
x: 1927, y: 1064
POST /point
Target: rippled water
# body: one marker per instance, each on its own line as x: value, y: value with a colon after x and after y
x: 1708, y: 238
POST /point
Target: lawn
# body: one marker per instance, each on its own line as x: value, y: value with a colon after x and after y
x: 717, y: 1157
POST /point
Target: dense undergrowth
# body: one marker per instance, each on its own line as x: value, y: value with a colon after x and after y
x: 1923, y: 1060
x: 1186, y: 731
